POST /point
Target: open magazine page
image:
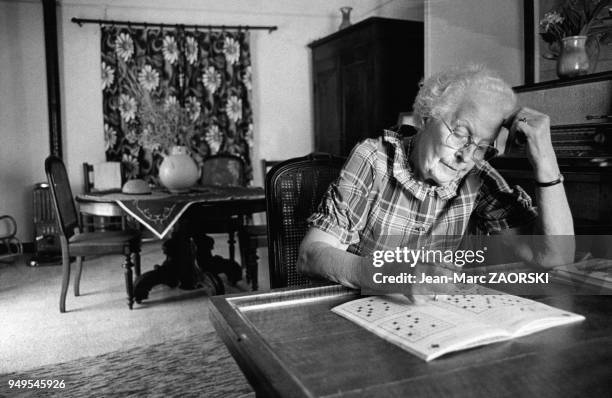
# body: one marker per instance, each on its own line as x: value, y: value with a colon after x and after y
x: 424, y: 329
x: 517, y: 315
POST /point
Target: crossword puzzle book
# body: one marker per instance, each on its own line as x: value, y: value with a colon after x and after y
x: 452, y: 322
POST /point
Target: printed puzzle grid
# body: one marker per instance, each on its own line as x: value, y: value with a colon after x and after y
x: 373, y: 309
x: 478, y: 304
x: 413, y: 327
x: 416, y: 326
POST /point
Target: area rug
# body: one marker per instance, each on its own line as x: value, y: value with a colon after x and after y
x: 191, y: 366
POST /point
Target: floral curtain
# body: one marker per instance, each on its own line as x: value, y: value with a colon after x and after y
x: 206, y: 74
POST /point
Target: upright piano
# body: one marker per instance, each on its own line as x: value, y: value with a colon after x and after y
x: 581, y: 126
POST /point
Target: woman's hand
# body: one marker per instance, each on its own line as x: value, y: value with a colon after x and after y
x: 535, y: 126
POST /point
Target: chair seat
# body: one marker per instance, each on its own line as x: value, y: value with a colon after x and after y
x: 103, y: 242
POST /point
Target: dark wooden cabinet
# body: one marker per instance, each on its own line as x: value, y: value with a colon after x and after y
x: 364, y: 76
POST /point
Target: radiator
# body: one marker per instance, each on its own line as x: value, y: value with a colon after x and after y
x: 46, y: 231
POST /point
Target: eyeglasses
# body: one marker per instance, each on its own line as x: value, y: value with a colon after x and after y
x: 459, y: 141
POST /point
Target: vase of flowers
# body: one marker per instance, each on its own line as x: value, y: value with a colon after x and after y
x: 166, y: 130
x: 573, y: 33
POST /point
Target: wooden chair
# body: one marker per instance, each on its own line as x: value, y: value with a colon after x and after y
x: 76, y: 243
x: 11, y: 245
x: 294, y: 189
x: 112, y: 177
x: 253, y: 236
x: 222, y: 170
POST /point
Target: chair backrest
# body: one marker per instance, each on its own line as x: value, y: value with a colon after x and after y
x: 105, y: 176
x: 8, y: 227
x: 61, y: 194
x: 294, y: 189
x: 223, y: 170
x: 11, y: 244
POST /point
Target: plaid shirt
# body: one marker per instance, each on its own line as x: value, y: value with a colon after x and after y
x: 377, y: 203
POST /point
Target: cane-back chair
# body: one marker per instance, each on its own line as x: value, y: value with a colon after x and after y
x: 294, y: 189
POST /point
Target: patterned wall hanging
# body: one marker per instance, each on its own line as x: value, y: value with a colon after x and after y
x: 163, y: 87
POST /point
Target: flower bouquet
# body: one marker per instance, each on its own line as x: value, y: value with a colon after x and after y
x: 166, y: 130
x: 576, y: 18
x: 163, y: 122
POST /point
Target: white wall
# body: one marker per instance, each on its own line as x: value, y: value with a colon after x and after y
x: 398, y: 9
x: 488, y: 32
x: 24, y: 137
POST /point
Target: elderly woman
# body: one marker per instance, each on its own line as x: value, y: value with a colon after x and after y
x: 439, y: 183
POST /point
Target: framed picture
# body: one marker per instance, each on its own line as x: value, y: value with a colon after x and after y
x: 539, y: 68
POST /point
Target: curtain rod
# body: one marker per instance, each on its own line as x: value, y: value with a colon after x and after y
x: 81, y: 21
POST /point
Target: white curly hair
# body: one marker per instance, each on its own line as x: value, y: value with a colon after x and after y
x: 441, y: 93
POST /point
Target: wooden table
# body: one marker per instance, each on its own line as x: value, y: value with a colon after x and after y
x: 288, y: 343
x: 160, y: 211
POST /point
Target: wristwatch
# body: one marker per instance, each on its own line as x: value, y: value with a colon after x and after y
x: 559, y: 180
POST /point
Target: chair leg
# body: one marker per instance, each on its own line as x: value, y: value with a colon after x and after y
x: 251, y: 265
x: 65, y: 279
x: 232, y: 245
x: 77, y: 276
x: 248, y: 256
x: 254, y: 270
x: 127, y: 272
x: 102, y: 224
x: 136, y: 256
x: 242, y: 242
